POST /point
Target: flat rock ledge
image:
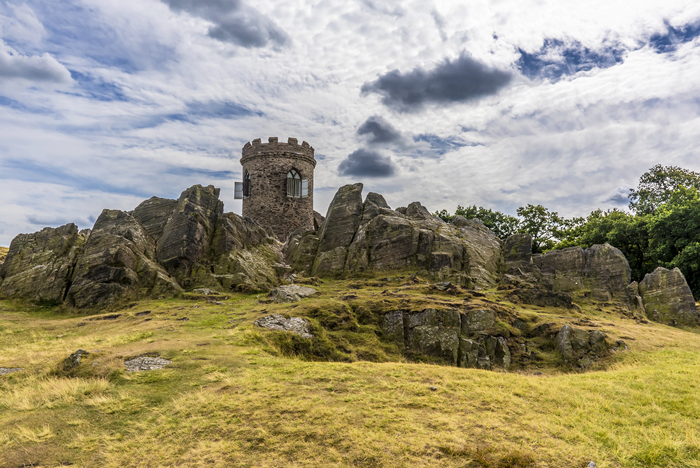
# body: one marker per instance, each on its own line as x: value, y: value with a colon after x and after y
x: 10, y: 370
x: 145, y: 363
x: 296, y: 325
x: 291, y: 293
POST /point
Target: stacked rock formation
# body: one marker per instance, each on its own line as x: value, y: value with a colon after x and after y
x: 357, y: 236
x: 156, y: 250
x: 164, y: 246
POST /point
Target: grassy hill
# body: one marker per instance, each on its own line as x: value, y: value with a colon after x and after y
x: 3, y: 254
x: 237, y: 395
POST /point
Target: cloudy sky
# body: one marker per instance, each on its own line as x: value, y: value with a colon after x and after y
x: 104, y: 103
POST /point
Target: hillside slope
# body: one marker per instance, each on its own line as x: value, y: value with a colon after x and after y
x: 239, y: 395
x: 3, y: 254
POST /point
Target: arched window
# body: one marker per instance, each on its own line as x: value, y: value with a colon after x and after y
x: 246, y: 184
x: 294, y: 184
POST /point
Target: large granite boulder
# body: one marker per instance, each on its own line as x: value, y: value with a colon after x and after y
x: 39, y: 266
x: 518, y: 249
x: 667, y: 297
x: 607, y: 271
x: 187, y: 236
x: 357, y: 236
x: 601, y: 272
x: 343, y: 218
x: 119, y: 262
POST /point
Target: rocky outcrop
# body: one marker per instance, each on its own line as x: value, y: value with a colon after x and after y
x: 667, y: 297
x: 517, y: 249
x: 156, y: 250
x: 464, y: 339
x: 119, y: 262
x: 188, y: 234
x: 581, y: 347
x: 39, y: 266
x: 600, y: 272
x: 358, y: 236
x: 153, y: 214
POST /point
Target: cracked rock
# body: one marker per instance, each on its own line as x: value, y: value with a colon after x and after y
x: 296, y: 325
x: 145, y: 363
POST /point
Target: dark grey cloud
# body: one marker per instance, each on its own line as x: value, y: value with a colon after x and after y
x: 366, y: 163
x: 43, y: 68
x: 379, y: 130
x: 450, y: 81
x: 234, y: 22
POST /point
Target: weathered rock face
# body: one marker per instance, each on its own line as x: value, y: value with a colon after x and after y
x: 291, y: 293
x: 153, y: 214
x: 243, y: 256
x: 459, y: 339
x: 600, y: 272
x: 518, y: 248
x: 296, y: 325
x: 39, y: 266
x: 121, y: 257
x: 357, y: 236
x: 667, y: 297
x: 119, y: 262
x: 581, y: 347
x: 187, y: 235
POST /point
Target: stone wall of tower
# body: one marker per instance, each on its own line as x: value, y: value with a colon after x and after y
x: 268, y: 203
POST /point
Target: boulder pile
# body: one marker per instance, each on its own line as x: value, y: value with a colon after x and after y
x: 357, y: 236
x: 164, y: 246
x: 157, y: 250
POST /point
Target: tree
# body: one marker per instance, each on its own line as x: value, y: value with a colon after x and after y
x: 656, y: 186
x: 674, y: 234
x: 546, y: 227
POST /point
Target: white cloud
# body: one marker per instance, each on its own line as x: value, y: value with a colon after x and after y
x: 35, y: 68
x: 152, y: 109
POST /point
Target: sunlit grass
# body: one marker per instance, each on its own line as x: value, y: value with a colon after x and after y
x: 230, y: 398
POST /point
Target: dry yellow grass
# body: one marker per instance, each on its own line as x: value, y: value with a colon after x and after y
x: 3, y: 254
x: 229, y: 399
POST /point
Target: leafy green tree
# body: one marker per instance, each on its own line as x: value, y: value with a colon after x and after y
x: 546, y: 227
x: 656, y: 186
x: 674, y: 234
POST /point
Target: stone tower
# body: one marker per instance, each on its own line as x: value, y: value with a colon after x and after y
x: 278, y: 185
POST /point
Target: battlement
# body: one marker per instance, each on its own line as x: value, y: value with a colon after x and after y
x: 276, y: 148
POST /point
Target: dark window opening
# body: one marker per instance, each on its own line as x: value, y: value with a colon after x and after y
x: 246, y: 185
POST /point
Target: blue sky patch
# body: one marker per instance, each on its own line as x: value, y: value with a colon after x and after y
x: 30, y: 171
x: 557, y: 58
x: 73, y: 27
x: 99, y: 89
x: 442, y: 145
x: 673, y: 37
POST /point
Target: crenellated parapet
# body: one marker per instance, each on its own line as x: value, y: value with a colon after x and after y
x: 274, y: 148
